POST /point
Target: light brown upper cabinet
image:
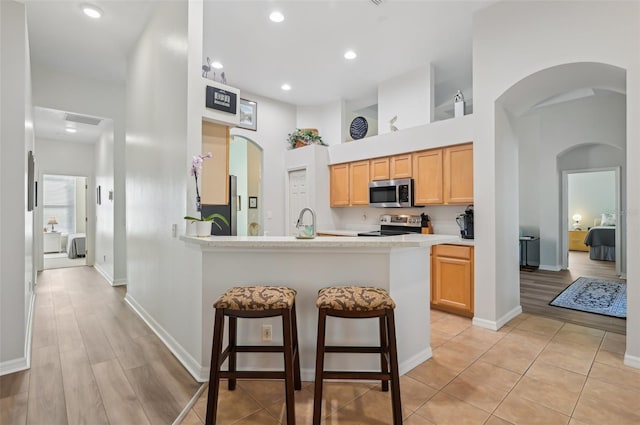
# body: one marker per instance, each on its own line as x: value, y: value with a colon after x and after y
x: 427, y: 177
x: 359, y: 183
x: 349, y: 184
x: 458, y: 174
x: 401, y: 166
x: 339, y: 175
x: 215, y: 171
x: 379, y: 168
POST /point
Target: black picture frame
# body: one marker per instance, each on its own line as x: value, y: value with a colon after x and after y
x: 248, y: 115
x: 98, y: 195
x: 253, y: 202
x: 30, y: 181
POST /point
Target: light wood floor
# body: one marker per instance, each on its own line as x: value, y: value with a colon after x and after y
x: 93, y: 360
x: 539, y: 287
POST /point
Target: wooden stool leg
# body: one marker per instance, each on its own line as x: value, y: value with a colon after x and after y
x: 317, y: 395
x: 395, y: 375
x: 384, y: 345
x: 296, y: 350
x: 214, y: 374
x: 233, y: 335
x: 288, y: 367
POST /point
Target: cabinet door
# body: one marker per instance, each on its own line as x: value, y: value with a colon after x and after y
x: 339, y: 186
x: 359, y: 183
x: 452, y: 279
x: 215, y: 170
x: 458, y: 174
x: 401, y: 167
x: 379, y: 168
x: 427, y: 176
x: 576, y: 240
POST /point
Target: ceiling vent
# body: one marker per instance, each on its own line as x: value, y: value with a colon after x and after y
x: 376, y: 2
x: 82, y: 119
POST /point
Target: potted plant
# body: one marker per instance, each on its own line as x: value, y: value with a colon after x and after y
x: 201, y: 227
x: 304, y: 137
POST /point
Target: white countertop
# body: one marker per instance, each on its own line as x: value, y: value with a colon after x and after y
x: 339, y: 232
x: 405, y: 241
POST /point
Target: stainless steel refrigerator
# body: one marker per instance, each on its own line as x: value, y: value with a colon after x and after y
x: 230, y: 211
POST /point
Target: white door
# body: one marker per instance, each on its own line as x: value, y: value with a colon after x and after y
x: 297, y: 196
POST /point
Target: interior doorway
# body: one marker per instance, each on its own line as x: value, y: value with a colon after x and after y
x: 591, y: 204
x: 64, y: 221
x: 245, y: 162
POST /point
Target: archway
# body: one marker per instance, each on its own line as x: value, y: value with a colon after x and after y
x: 544, y: 114
x: 245, y: 162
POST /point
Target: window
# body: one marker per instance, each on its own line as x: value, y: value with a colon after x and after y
x: 60, y: 202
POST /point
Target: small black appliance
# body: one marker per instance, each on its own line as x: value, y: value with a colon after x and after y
x: 465, y: 222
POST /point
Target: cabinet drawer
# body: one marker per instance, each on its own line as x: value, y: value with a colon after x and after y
x: 455, y: 251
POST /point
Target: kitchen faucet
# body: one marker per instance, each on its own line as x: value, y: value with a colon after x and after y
x: 313, y: 221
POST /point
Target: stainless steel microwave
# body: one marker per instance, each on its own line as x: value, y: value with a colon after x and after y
x: 391, y: 193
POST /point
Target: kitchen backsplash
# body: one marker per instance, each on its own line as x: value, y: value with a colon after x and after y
x: 443, y: 217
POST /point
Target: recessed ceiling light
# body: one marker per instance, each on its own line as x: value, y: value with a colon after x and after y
x: 92, y: 11
x: 70, y: 130
x: 350, y: 54
x: 216, y: 65
x: 276, y: 16
x: 285, y: 87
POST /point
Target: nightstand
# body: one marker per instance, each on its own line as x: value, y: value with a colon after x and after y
x: 576, y: 240
x: 51, y: 242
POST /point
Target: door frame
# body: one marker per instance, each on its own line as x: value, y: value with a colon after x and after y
x: 564, y: 226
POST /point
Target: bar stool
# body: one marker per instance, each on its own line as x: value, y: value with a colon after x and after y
x: 358, y: 302
x: 254, y: 302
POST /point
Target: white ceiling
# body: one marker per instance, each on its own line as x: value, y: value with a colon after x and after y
x: 306, y: 50
x: 51, y: 124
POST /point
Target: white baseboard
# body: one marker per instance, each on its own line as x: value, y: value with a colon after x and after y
x: 200, y: 374
x: 109, y: 278
x: 633, y: 361
x: 24, y: 362
x: 415, y: 361
x: 189, y: 405
x: 494, y: 326
x: 554, y: 268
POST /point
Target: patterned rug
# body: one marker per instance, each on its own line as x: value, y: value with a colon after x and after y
x: 592, y: 295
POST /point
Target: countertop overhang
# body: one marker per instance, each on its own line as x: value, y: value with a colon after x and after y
x: 287, y: 242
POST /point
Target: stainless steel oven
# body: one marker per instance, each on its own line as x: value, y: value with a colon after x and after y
x: 391, y: 193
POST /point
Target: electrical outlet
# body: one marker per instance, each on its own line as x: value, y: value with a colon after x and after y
x: 267, y: 333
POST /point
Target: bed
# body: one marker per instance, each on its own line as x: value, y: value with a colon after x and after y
x: 601, y: 241
x: 76, y: 245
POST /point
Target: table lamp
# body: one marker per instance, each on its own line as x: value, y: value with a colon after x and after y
x: 576, y: 218
x: 52, y: 221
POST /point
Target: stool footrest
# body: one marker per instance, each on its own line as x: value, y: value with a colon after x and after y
x: 252, y: 374
x: 259, y: 349
x: 374, y: 376
x: 342, y: 349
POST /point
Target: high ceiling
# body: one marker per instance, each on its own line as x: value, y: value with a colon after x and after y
x: 306, y: 50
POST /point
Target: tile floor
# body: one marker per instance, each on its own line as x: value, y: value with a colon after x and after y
x: 535, y: 370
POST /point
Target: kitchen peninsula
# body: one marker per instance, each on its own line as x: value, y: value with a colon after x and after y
x: 399, y: 264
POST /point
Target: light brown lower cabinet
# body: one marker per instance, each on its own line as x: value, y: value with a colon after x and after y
x: 452, y: 279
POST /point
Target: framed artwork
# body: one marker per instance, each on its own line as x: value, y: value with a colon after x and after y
x: 253, y: 202
x: 30, y: 181
x: 248, y: 114
x: 98, y: 196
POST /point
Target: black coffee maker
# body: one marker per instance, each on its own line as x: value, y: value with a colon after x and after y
x: 465, y: 221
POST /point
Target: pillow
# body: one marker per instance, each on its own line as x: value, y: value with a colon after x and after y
x: 608, y: 219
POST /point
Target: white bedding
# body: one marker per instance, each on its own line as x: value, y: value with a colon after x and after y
x: 76, y: 245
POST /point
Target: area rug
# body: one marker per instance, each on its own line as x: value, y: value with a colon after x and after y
x: 600, y: 296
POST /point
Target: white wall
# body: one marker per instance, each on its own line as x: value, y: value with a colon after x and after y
x: 326, y: 118
x: 68, y: 159
x: 17, y: 271
x: 238, y: 168
x: 81, y: 205
x: 553, y: 139
x: 593, y: 29
x: 105, y: 249
x: 163, y: 275
x: 590, y: 195
x: 275, y: 120
x: 83, y: 95
x: 409, y: 97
